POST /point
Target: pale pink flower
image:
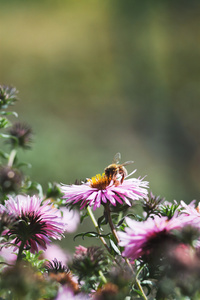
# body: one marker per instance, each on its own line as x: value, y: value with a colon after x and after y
x: 54, y: 251
x: 65, y: 293
x: 70, y: 218
x: 8, y: 254
x: 37, y: 222
x: 139, y: 235
x: 100, y: 189
x: 192, y: 212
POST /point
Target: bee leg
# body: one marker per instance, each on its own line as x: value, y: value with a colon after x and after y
x: 122, y: 179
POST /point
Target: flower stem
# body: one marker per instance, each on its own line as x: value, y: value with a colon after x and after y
x: 21, y: 248
x: 97, y: 227
x: 114, y: 232
x: 12, y: 157
x: 139, y: 285
x: 107, y: 209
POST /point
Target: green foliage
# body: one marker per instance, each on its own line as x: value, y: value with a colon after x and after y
x: 35, y: 260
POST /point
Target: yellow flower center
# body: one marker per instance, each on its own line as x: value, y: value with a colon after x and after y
x: 99, y: 181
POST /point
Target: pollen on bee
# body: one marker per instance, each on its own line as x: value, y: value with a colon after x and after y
x: 99, y: 181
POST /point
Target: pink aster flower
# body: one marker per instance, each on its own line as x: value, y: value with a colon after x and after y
x: 139, y: 238
x: 192, y: 212
x: 8, y: 254
x: 101, y: 189
x: 70, y: 218
x: 37, y: 222
x: 54, y: 251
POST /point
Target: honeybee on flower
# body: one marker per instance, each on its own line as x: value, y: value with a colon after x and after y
x: 112, y: 186
x: 115, y: 171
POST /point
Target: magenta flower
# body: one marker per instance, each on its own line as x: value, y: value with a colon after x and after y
x: 139, y: 237
x: 37, y: 222
x: 100, y: 189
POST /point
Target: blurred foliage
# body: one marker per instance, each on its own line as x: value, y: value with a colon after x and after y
x: 98, y: 77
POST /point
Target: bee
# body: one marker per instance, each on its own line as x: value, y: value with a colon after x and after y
x: 117, y: 172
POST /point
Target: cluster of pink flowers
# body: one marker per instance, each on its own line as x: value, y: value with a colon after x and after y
x: 37, y: 221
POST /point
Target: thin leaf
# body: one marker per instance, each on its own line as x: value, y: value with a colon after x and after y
x: 120, y: 222
x: 101, y: 221
x: 4, y: 154
x: 5, y: 136
x: 22, y: 164
x: 115, y: 248
x: 88, y: 234
x: 7, y: 113
x: 137, y: 291
x: 83, y: 216
x: 91, y: 234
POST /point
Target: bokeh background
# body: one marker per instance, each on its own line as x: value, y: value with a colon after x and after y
x: 97, y: 77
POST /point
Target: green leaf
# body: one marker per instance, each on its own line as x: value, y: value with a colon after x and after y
x: 4, y: 154
x: 91, y: 234
x: 138, y: 292
x: 120, y: 222
x: 4, y: 123
x: 7, y: 113
x: 102, y: 221
x: 88, y: 234
x: 5, y: 136
x: 83, y: 216
x: 22, y: 164
x: 114, y: 247
x: 31, y: 186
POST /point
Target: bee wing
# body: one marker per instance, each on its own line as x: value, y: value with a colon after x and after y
x: 128, y: 163
x: 117, y: 158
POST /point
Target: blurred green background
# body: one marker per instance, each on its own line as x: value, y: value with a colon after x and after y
x: 97, y: 77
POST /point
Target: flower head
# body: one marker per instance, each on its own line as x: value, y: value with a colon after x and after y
x: 62, y: 274
x: 37, y: 222
x: 10, y: 179
x: 87, y: 262
x: 151, y: 203
x: 101, y: 189
x: 8, y: 95
x: 192, y: 212
x: 21, y: 135
x: 141, y: 238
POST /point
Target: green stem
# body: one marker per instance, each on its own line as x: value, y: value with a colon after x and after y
x: 21, y: 248
x: 139, y: 285
x: 97, y: 227
x: 12, y: 157
x: 114, y: 232
x: 107, y: 209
